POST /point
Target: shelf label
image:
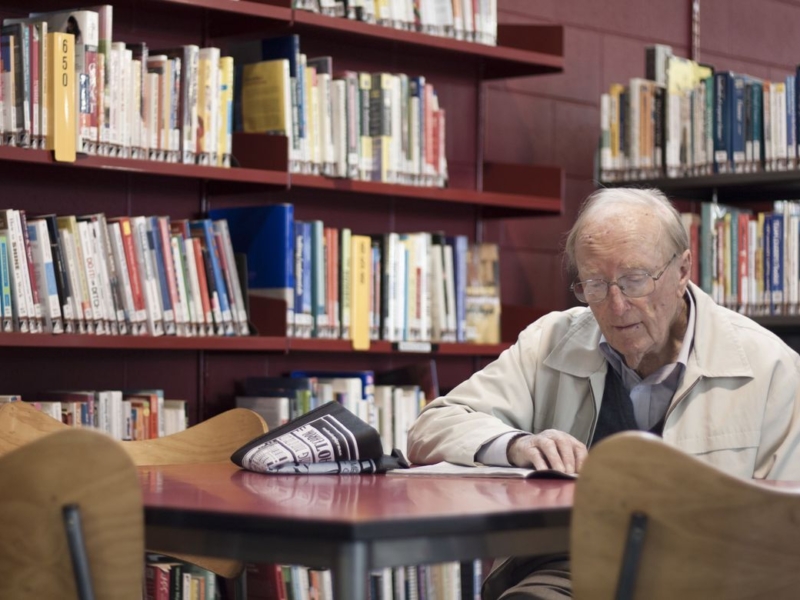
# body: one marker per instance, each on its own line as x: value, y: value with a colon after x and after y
x: 414, y: 347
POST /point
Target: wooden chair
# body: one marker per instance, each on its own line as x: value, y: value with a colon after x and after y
x: 651, y: 522
x: 213, y: 440
x: 72, y: 520
x: 21, y: 423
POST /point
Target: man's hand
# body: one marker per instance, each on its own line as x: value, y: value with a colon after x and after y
x: 550, y: 449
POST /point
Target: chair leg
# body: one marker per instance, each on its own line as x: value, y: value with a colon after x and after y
x: 240, y: 586
x: 634, y: 544
x: 77, y: 551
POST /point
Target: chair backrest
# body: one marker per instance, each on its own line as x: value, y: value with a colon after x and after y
x: 707, y: 534
x: 21, y: 423
x: 213, y: 440
x: 71, y: 467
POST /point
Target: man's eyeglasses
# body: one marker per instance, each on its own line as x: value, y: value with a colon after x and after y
x: 634, y: 285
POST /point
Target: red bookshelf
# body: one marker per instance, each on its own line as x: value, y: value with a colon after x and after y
x: 203, y: 370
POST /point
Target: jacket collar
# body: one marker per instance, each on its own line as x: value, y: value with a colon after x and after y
x: 578, y: 353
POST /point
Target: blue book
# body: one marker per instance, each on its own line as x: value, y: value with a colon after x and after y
x: 757, y: 118
x: 157, y: 249
x: 460, y: 245
x: 318, y: 272
x: 6, y: 310
x: 203, y: 230
x: 738, y: 124
x: 776, y: 242
x: 797, y: 110
x: 265, y: 234
x: 723, y: 122
x: 307, y: 302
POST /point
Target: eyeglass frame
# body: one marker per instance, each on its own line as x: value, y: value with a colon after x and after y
x: 655, y: 278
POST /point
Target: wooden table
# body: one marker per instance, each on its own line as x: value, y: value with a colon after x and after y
x: 350, y: 524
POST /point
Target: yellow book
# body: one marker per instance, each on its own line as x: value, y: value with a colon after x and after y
x: 360, y: 283
x: 61, y: 110
x: 225, y: 140
x: 266, y: 98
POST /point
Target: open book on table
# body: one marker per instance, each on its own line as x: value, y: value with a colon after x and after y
x: 327, y: 440
x: 446, y: 469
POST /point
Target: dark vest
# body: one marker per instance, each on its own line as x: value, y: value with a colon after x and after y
x: 616, y: 410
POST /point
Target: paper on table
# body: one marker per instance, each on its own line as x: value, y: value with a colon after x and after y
x: 447, y: 469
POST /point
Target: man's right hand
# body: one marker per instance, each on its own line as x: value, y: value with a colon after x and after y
x: 550, y: 449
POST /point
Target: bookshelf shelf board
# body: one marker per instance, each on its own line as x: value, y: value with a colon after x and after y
x: 383, y: 347
x: 122, y: 342
x: 448, y: 349
x: 531, y: 49
x: 773, y: 185
x: 150, y: 167
x: 495, y: 204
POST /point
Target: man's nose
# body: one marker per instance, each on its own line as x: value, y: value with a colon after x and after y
x: 617, y: 301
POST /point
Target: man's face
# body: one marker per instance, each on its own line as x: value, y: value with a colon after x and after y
x: 619, y: 242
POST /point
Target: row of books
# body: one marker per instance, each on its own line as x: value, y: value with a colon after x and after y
x: 684, y: 119
x: 441, y: 581
x: 123, y: 275
x: 62, y: 74
x: 122, y: 414
x: 418, y: 287
x: 169, y: 579
x: 470, y: 20
x: 370, y: 126
x: 390, y: 409
x: 748, y: 262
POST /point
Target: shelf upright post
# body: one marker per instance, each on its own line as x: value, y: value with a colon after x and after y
x: 480, y: 140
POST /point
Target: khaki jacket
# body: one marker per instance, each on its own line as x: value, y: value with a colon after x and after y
x: 737, y: 407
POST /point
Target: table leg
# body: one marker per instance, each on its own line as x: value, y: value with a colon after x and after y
x: 350, y: 572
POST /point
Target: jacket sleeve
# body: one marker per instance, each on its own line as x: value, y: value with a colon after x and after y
x: 779, y: 450
x: 495, y: 400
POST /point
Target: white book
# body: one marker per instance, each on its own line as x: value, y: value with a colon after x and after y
x: 34, y: 308
x: 183, y: 317
x: 438, y: 311
x: 446, y: 469
x: 135, y: 120
x: 45, y: 275
x: 73, y: 274
x: 383, y: 403
x: 450, y: 294
x: 401, y: 316
x: 391, y: 243
x: 340, y: 137
x: 174, y: 416
x: 200, y: 318
x: 132, y: 318
x: 396, y: 166
x: 126, y: 104
x: 92, y: 274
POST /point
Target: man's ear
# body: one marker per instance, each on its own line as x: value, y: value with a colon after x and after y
x: 685, y: 268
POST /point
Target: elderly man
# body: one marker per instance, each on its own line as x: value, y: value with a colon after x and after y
x: 651, y: 352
